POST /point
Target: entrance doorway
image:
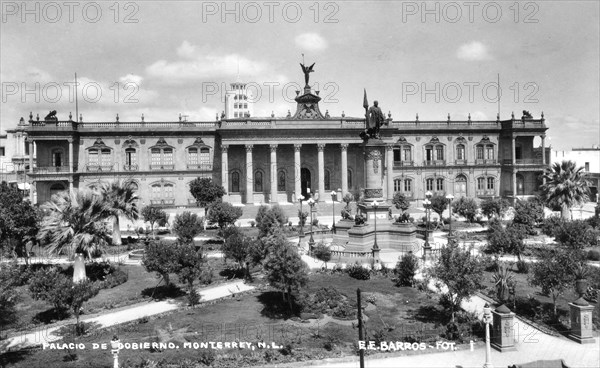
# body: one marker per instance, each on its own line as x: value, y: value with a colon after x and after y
x: 460, y: 186
x: 305, y: 182
x: 520, y: 185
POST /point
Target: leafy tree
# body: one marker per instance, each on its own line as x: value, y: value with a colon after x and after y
x: 439, y: 204
x: 238, y: 247
x: 285, y: 270
x: 494, y: 207
x: 460, y: 272
x: 509, y: 240
x: 566, y: 187
x: 406, y: 269
x: 9, y: 295
x: 79, y: 293
x: 400, y: 202
x: 74, y: 220
x: 224, y: 214
x: 154, y: 215
x: 206, y: 192
x: 18, y: 219
x: 575, y: 234
x: 553, y: 273
x: 187, y: 226
x: 263, y: 247
x: 270, y: 217
x: 120, y: 199
x: 322, y: 253
x: 466, y: 207
x: 528, y: 213
x: 189, y: 267
x: 160, y: 258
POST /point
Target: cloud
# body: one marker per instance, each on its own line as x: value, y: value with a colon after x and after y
x: 311, y: 42
x: 473, y: 51
x: 133, y: 78
x: 203, y: 66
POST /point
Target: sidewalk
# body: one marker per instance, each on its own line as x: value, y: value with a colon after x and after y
x: 127, y: 314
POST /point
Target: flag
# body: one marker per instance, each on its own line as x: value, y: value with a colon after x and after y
x: 365, y: 102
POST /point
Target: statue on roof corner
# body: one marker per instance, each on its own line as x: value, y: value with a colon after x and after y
x: 307, y: 71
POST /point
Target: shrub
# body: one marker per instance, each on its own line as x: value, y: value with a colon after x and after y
x: 358, y: 272
x: 269, y: 218
x: 466, y: 207
x: 315, y: 222
x: 252, y: 223
x: 522, y: 266
x: 494, y: 207
x: 405, y: 270
x: 322, y: 253
x: 576, y: 234
x: 593, y: 255
x: 187, y: 226
x: 551, y: 224
x: 116, y: 278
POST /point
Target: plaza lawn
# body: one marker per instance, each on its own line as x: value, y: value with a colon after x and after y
x: 245, y: 318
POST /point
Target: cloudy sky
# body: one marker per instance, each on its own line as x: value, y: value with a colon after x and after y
x: 162, y: 59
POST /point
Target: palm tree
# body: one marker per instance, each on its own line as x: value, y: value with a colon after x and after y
x: 120, y: 199
x: 74, y: 221
x: 566, y: 186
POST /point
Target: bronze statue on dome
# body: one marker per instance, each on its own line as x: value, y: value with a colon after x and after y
x: 307, y: 71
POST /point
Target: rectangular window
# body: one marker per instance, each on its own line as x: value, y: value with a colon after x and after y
x: 480, y: 183
x: 397, y: 185
x: 429, y: 184
x: 93, y: 157
x: 204, y: 156
x: 429, y: 154
x: 156, y: 191
x: 193, y: 156
x: 490, y: 183
x: 57, y: 159
x: 407, y: 156
x: 439, y: 153
x: 479, y: 155
x: 587, y: 166
x: 130, y: 157
x: 168, y: 156
x: 2, y: 152
x: 408, y: 185
x: 489, y: 153
x: 440, y: 185
x: 460, y: 152
x: 106, y: 158
x: 155, y: 157
x: 168, y: 191
x: 397, y: 155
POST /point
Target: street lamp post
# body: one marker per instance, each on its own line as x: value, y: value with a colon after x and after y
x: 427, y: 205
x: 450, y: 197
x: 487, y: 319
x: 311, y: 241
x: 115, y: 347
x: 333, y: 197
x: 301, y: 216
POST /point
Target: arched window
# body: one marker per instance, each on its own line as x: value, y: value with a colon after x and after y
x: 57, y: 157
x: 397, y: 185
x: 281, y: 181
x: 460, y: 186
x: 162, y: 193
x: 434, y: 154
x: 491, y: 183
x: 439, y: 184
x: 235, y: 182
x: 429, y: 184
x: 481, y: 183
x: 161, y: 156
x: 204, y: 156
x: 408, y: 185
x: 192, y: 156
x: 479, y: 155
x: 56, y: 188
x: 258, y: 181
x: 130, y: 159
x: 327, y: 180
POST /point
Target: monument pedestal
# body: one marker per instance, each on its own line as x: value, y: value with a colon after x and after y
x: 581, y: 322
x: 503, y: 338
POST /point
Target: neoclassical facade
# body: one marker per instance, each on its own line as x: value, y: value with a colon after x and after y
x: 274, y: 159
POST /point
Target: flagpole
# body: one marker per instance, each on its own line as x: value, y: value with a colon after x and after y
x: 76, y: 101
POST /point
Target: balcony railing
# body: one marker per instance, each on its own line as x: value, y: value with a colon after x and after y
x: 205, y: 166
x: 434, y: 163
x: 524, y: 161
x: 99, y: 168
x: 486, y: 161
x: 485, y: 193
x: 398, y: 164
x: 51, y: 169
x: 162, y: 202
x: 133, y: 167
x: 460, y: 162
x: 162, y: 167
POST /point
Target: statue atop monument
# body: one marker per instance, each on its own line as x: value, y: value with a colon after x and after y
x: 376, y: 118
x: 307, y: 71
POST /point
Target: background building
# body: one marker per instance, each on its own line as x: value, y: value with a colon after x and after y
x: 589, y: 159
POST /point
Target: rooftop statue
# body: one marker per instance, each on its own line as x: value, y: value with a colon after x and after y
x: 374, y: 121
x: 51, y: 116
x: 307, y: 71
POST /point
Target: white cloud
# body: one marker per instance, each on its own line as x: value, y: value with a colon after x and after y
x: 473, y: 51
x: 203, y: 67
x: 311, y: 42
x: 134, y: 78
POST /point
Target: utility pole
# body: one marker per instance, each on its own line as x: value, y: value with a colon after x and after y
x: 361, y: 352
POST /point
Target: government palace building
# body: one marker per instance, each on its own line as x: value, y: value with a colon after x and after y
x: 275, y: 159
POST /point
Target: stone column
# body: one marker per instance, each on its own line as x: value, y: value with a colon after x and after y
x: 390, y: 171
x: 225, y: 167
x: 344, y: 168
x: 273, y: 176
x: 297, y: 171
x: 543, y: 149
x: 514, y: 150
x: 30, y: 141
x: 514, y: 182
x: 321, y: 163
x: 70, y: 164
x: 249, y: 175
x: 373, y: 168
x: 514, y: 161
